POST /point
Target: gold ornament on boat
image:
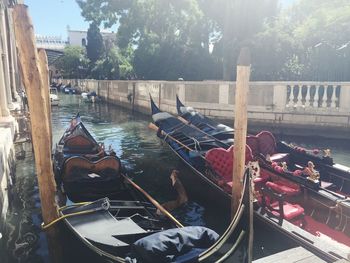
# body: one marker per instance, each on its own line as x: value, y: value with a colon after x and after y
x: 312, y: 174
x: 327, y: 153
x: 284, y: 167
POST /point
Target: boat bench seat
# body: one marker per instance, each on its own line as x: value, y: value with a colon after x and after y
x: 220, y: 161
x: 275, y: 205
x: 290, y: 211
x: 283, y: 187
x: 261, y: 180
x: 264, y: 143
x: 79, y: 144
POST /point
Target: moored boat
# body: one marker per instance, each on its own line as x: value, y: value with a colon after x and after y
x: 83, y: 169
x: 127, y: 227
x: 332, y: 176
x: 54, y: 100
x: 131, y: 231
x: 296, y: 206
x: 90, y: 97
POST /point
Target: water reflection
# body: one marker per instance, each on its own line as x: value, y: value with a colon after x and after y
x: 146, y: 159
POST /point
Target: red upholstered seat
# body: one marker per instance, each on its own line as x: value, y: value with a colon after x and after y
x: 267, y: 143
x: 275, y: 205
x: 221, y: 161
x: 261, y: 180
x: 290, y: 211
x: 253, y: 143
x: 283, y: 187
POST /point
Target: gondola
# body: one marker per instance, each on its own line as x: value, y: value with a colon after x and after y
x: 333, y: 176
x: 128, y: 228
x: 131, y: 231
x: 301, y: 214
x: 83, y: 169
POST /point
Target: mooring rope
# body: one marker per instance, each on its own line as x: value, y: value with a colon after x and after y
x: 53, y: 222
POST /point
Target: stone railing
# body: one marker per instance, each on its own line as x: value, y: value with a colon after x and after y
x: 299, y: 103
x: 314, y: 96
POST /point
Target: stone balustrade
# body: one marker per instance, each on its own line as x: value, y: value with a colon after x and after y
x: 295, y: 104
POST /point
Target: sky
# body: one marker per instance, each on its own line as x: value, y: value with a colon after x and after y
x: 51, y: 17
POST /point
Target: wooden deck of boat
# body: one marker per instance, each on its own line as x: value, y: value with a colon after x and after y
x: 293, y: 255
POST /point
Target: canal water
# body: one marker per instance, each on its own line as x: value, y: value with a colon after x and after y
x: 148, y: 161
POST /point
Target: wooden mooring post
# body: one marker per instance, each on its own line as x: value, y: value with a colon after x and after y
x: 35, y: 80
x: 241, y: 97
x: 43, y: 64
x: 242, y: 87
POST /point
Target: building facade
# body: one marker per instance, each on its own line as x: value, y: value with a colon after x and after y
x: 10, y: 85
x: 79, y: 37
x: 50, y: 42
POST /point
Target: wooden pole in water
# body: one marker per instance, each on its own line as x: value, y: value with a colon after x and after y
x: 43, y: 63
x: 242, y: 86
x: 34, y: 83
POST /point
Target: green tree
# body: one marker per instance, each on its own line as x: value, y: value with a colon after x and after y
x: 95, y: 46
x: 322, y: 30
x: 107, y: 67
x: 201, y: 39
x: 73, y: 63
x: 162, y: 33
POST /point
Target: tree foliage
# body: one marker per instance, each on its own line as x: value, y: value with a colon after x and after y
x: 201, y: 39
x: 95, y: 46
x: 73, y: 63
x: 108, y: 67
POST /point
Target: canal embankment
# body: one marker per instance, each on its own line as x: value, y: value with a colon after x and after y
x: 8, y: 128
x: 292, y: 108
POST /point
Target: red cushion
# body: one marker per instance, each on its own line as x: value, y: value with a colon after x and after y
x: 267, y: 143
x: 290, y: 211
x: 253, y: 143
x: 283, y: 187
x: 262, y: 179
x: 221, y: 161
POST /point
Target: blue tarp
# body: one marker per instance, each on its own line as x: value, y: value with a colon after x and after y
x: 173, y: 245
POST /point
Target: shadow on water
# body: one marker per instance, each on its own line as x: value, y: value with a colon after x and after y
x: 146, y: 159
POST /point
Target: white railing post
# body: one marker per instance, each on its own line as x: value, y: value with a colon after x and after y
x: 344, y: 98
x: 316, y: 97
x: 308, y: 96
x: 324, y: 97
x: 279, y: 97
x: 334, y: 97
x: 300, y: 96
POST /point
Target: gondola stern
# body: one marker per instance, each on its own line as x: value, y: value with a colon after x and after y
x: 154, y: 107
x: 179, y: 104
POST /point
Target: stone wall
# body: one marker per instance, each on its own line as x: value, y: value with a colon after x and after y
x: 311, y: 106
x: 7, y: 166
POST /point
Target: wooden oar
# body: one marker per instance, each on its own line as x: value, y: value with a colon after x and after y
x: 153, y: 201
x: 155, y: 128
x: 185, y: 121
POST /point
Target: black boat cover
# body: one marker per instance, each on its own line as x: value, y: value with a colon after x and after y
x: 173, y: 245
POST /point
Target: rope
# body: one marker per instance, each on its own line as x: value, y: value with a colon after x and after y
x: 196, y: 142
x: 46, y: 226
